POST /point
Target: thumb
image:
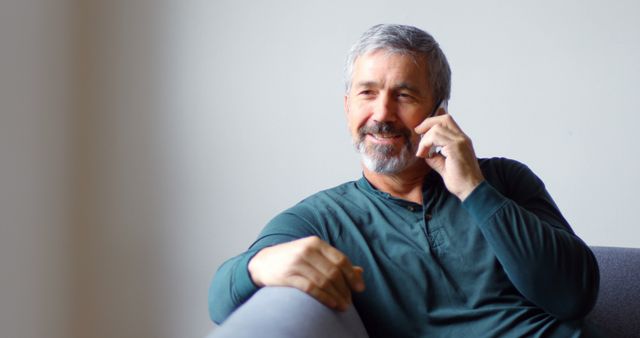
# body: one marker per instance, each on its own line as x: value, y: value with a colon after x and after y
x: 436, y: 163
x: 357, y: 282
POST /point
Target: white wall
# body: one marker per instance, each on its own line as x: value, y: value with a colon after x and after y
x: 35, y: 169
x: 549, y: 83
x: 260, y: 99
x: 195, y: 122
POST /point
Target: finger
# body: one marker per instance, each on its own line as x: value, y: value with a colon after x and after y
x: 327, y: 276
x: 427, y: 124
x: 440, y: 111
x: 344, y: 264
x: 327, y: 260
x: 436, y: 136
x: 443, y: 119
x: 359, y: 281
x: 308, y: 287
x: 451, y: 123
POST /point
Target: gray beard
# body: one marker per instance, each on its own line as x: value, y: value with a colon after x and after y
x: 381, y: 158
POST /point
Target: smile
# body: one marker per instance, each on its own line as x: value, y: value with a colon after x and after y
x: 385, y: 136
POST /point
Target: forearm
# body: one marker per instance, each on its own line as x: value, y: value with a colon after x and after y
x: 545, y: 261
x: 231, y: 286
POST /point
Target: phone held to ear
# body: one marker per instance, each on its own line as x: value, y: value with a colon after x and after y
x: 437, y: 150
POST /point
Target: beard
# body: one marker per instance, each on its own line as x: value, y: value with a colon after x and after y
x: 386, y: 158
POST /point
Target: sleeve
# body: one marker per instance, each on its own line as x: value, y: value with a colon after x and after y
x: 535, y: 245
x: 232, y: 285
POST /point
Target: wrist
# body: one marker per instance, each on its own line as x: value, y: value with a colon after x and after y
x: 253, y: 267
x: 470, y: 187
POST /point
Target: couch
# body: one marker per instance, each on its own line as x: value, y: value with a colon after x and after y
x: 287, y: 312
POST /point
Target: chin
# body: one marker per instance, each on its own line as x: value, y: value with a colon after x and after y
x: 389, y: 165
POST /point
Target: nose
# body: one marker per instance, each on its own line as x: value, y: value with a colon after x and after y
x: 384, y: 109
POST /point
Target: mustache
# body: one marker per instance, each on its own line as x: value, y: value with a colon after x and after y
x: 384, y: 128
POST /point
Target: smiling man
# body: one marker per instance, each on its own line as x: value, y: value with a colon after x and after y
x: 427, y: 243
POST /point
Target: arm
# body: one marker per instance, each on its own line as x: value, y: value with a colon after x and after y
x: 232, y: 285
x: 288, y: 252
x: 542, y: 256
x: 539, y: 252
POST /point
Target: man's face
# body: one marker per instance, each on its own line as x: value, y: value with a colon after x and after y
x: 389, y: 96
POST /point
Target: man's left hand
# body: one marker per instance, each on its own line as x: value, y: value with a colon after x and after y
x: 458, y: 164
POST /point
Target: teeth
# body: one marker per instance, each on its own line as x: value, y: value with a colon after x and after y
x: 385, y: 136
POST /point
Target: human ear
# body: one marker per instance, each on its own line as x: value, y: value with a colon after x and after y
x: 346, y: 104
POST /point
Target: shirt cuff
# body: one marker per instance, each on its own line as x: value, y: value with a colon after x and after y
x: 483, y: 202
x: 242, y: 283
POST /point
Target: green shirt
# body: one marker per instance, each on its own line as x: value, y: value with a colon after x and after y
x: 503, y: 263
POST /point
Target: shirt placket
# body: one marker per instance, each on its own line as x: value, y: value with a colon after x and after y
x: 432, y: 230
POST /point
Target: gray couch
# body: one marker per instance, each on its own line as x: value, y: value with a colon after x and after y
x: 617, y: 311
x: 287, y: 312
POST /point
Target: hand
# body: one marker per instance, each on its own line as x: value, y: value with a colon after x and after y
x: 311, y: 265
x: 458, y: 164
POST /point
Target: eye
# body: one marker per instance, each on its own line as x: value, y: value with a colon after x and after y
x: 366, y: 93
x: 405, y: 97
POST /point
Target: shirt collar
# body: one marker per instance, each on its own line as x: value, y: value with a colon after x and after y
x: 431, y: 179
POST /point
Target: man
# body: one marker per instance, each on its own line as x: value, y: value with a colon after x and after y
x: 431, y: 241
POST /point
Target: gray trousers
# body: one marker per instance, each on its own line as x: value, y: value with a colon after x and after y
x: 289, y: 312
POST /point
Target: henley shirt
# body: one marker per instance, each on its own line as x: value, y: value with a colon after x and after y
x: 503, y: 263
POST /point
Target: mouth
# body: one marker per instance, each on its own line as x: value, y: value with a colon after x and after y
x: 384, y: 138
x: 384, y: 134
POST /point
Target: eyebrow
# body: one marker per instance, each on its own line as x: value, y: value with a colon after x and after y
x: 366, y: 84
x: 401, y: 85
x: 407, y: 86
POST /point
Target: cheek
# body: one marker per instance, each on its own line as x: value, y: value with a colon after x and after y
x: 356, y: 118
x: 413, y: 119
x: 354, y: 125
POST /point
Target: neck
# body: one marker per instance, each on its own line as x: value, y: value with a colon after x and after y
x: 406, y: 184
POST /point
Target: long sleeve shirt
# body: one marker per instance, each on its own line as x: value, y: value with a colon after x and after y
x: 503, y: 263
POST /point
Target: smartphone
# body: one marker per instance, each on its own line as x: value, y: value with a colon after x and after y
x: 437, y: 150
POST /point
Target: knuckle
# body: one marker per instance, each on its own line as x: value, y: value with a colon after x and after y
x: 460, y: 147
x: 314, y: 239
x: 288, y: 274
x: 305, y: 251
x: 297, y: 257
x: 335, y: 274
x: 309, y: 244
x: 341, y: 260
x: 324, y: 284
x: 307, y: 286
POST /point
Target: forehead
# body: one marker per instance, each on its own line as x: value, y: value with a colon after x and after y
x: 386, y: 68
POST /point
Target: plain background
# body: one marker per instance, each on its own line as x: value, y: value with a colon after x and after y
x: 142, y: 143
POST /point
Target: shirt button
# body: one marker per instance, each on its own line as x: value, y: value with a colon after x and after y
x: 427, y: 217
x: 411, y: 208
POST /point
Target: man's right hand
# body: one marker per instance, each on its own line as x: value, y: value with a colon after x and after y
x: 311, y: 265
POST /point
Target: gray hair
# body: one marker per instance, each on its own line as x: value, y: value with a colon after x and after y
x: 408, y: 40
